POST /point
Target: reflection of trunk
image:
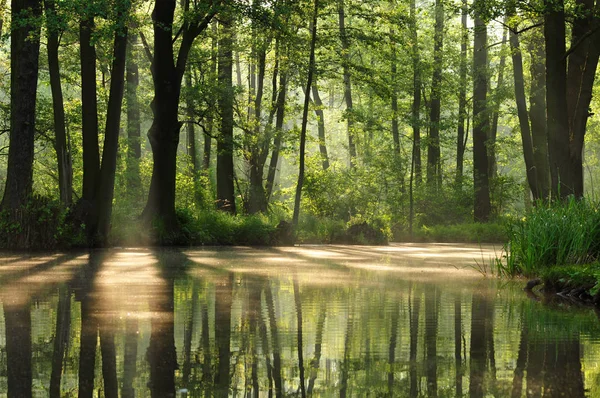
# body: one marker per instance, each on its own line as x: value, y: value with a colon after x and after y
x: 517, y: 384
x: 458, y: 343
x: 434, y: 166
x: 392, y: 348
x: 277, y: 377
x: 161, y: 351
x: 252, y: 334
x: 431, y: 330
x: 489, y: 330
x: 109, y: 359
x: 130, y: 357
x: 61, y: 339
x: 562, y: 368
x: 87, y: 349
x: 314, y: 363
x: 223, y: 300
x: 321, y: 126
x: 345, y: 367
x: 462, y: 93
x: 347, y: 81
x: 187, y: 339
x: 17, y: 321
x: 300, y: 343
x: 266, y: 353
x: 206, y: 367
x: 478, y: 352
x: 414, y: 310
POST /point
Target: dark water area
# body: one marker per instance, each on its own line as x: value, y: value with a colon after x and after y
x: 320, y: 321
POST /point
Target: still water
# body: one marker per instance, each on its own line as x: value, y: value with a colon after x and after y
x: 320, y: 321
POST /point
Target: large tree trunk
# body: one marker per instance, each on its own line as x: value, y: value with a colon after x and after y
x: 482, y: 208
x: 106, y: 184
x: 434, y: 166
x: 134, y: 147
x: 24, y: 56
x: 311, y: 69
x: 416, y: 103
x: 225, y: 191
x: 523, y: 115
x: 498, y: 97
x: 61, y: 146
x: 89, y: 108
x: 537, y: 114
x: 320, y: 126
x: 347, y: 82
x: 462, y: 94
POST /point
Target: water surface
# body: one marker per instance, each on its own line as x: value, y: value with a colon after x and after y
x: 321, y: 321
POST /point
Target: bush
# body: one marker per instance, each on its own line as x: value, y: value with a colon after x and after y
x: 553, y: 234
x: 460, y: 233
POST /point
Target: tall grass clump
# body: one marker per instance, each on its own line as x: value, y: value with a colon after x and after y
x: 552, y: 234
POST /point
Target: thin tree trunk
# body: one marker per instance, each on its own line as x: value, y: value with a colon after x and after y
x: 190, y: 130
x: 462, y: 94
x: 482, y: 208
x: 523, y: 115
x: 134, y: 147
x: 416, y: 103
x: 347, y: 82
x: 89, y: 108
x: 63, y: 154
x: 106, y: 184
x: 25, y: 49
x: 537, y: 114
x: 277, y: 141
x: 210, y: 118
x: 498, y: 96
x: 225, y: 191
x: 434, y: 166
x: 320, y: 126
x: 311, y: 69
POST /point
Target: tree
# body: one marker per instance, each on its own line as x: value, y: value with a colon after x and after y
x: 462, y: 94
x: 168, y: 69
x: 24, y: 57
x: 434, y: 166
x: 481, y: 124
x: 347, y: 82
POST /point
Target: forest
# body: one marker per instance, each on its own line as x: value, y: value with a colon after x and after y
x: 265, y: 122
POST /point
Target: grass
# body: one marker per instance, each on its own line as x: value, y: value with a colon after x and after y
x: 557, y: 234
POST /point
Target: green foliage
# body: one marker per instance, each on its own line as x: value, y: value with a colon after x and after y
x: 553, y: 234
x: 586, y: 276
x: 41, y: 224
x: 357, y: 230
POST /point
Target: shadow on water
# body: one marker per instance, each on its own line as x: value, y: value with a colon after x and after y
x: 254, y: 323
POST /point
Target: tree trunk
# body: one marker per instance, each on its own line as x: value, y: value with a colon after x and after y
x: 89, y: 108
x: 24, y: 57
x: 482, y: 208
x: 462, y: 94
x: 134, y: 147
x: 320, y: 126
x: 416, y: 104
x: 523, y: 116
x: 106, y: 185
x: 394, y: 78
x: 311, y: 69
x: 189, y: 128
x: 210, y: 118
x: 498, y: 97
x: 556, y: 97
x: 347, y: 82
x: 61, y: 146
x: 537, y: 114
x: 434, y: 166
x: 279, y: 119
x: 225, y: 191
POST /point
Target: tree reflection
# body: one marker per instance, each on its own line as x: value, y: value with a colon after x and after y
x: 17, y: 318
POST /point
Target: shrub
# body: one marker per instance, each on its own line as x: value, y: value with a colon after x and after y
x: 553, y: 234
